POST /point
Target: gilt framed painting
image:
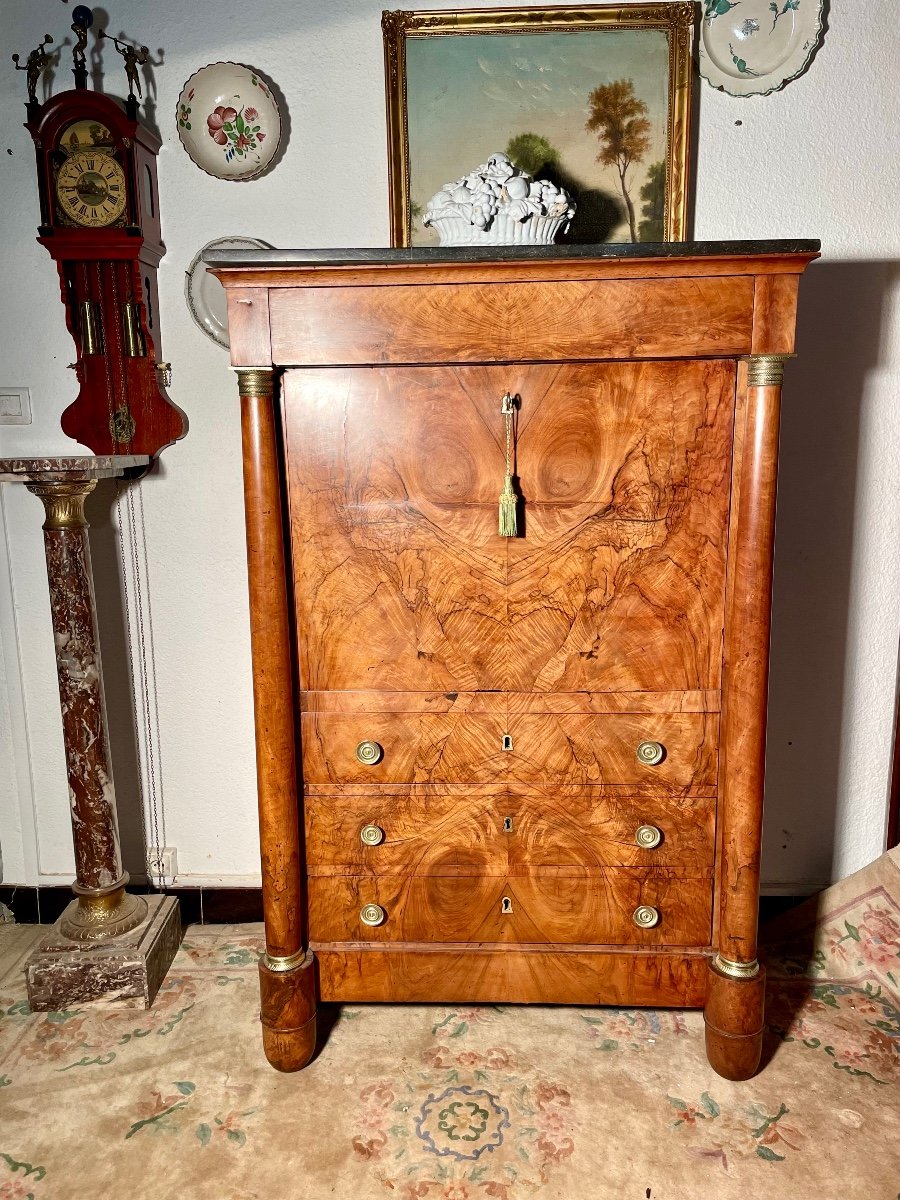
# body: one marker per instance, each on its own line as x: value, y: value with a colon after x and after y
x: 596, y: 99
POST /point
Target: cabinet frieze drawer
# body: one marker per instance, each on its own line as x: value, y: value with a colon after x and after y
x: 496, y: 831
x: 667, y: 749
x: 609, y: 907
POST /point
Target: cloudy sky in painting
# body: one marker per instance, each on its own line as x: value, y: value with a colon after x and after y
x: 467, y: 95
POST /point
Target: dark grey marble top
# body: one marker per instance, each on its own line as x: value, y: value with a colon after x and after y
x: 46, y: 470
x: 469, y: 254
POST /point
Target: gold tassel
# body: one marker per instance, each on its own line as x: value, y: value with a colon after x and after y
x: 508, y: 509
x: 508, y: 498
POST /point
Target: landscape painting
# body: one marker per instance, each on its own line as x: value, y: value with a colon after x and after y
x: 599, y: 108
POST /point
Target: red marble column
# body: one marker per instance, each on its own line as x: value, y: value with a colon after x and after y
x: 104, y: 908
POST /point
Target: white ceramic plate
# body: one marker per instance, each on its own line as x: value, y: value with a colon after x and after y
x: 753, y: 47
x: 228, y: 121
x: 204, y: 294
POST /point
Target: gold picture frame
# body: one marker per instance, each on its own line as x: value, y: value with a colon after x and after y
x: 405, y: 31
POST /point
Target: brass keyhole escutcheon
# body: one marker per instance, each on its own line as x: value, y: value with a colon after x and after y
x: 507, y: 743
x: 507, y: 825
x: 647, y: 837
x: 371, y: 835
x: 506, y: 905
x: 651, y: 754
x: 372, y: 914
x: 645, y: 916
x: 369, y: 753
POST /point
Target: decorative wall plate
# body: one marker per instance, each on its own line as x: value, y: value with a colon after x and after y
x: 753, y: 47
x: 228, y: 121
x: 203, y: 293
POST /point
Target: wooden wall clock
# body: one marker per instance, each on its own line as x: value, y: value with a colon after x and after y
x: 96, y: 166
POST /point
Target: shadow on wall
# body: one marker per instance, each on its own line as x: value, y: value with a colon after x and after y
x: 838, y: 344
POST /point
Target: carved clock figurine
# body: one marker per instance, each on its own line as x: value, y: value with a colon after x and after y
x: 100, y: 221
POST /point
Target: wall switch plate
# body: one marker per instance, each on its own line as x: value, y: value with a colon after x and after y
x: 15, y: 406
x: 162, y: 864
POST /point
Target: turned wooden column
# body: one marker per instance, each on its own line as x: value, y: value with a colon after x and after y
x: 287, y: 971
x: 736, y: 987
x: 104, y: 909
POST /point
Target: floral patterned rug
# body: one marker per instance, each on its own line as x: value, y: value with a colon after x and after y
x: 474, y: 1103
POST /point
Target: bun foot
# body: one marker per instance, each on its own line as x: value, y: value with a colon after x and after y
x: 734, y: 1023
x: 288, y: 1013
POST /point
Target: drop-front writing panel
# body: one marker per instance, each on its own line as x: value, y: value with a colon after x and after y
x: 617, y: 583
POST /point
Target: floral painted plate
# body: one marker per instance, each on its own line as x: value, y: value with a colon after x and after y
x: 203, y: 293
x: 228, y: 121
x: 753, y: 47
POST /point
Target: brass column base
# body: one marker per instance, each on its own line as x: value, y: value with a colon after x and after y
x: 101, y: 913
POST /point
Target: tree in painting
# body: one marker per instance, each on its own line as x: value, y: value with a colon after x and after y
x: 620, y: 122
x: 530, y: 152
x: 653, y: 207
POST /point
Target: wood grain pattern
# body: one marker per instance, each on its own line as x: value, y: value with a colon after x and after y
x: 545, y: 749
x: 594, y: 907
x: 511, y: 702
x: 733, y: 1023
x: 270, y: 644
x: 502, y: 322
x: 775, y: 313
x: 248, y: 327
x: 504, y: 831
x: 746, y: 670
x: 491, y: 975
x: 400, y: 577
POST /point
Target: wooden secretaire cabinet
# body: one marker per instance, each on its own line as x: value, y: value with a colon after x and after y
x: 512, y: 768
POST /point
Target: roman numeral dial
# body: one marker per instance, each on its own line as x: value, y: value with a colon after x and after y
x: 90, y: 189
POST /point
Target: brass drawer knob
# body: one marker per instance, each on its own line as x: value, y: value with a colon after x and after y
x: 371, y: 835
x: 372, y: 914
x: 647, y: 837
x: 645, y: 916
x: 651, y: 754
x: 369, y: 753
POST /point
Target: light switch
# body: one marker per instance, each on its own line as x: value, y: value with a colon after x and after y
x: 15, y: 406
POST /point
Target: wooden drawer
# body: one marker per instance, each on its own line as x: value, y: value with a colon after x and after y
x: 500, y: 831
x: 492, y: 322
x: 546, y: 749
x: 593, y: 908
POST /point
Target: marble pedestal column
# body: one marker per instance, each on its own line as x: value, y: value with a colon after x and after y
x: 108, y: 943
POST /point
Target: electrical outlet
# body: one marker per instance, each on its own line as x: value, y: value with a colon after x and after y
x: 162, y: 864
x: 15, y: 406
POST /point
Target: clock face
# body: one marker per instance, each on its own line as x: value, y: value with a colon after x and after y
x: 90, y: 188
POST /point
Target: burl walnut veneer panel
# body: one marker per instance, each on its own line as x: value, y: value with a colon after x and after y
x: 401, y: 581
x: 508, y: 831
x: 594, y: 907
x: 545, y: 749
x: 500, y: 322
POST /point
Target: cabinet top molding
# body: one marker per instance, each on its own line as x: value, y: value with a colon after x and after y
x: 805, y: 249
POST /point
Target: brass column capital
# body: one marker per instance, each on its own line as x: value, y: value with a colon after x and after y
x: 63, y: 501
x: 766, y: 370
x: 255, y: 381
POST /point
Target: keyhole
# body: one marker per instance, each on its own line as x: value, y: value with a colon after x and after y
x: 507, y: 742
x: 506, y: 905
x: 507, y: 824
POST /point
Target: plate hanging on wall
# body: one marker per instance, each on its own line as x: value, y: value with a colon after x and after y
x: 228, y: 121
x: 203, y: 293
x: 754, y: 47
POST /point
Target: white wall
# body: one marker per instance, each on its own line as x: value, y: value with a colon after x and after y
x: 811, y: 161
